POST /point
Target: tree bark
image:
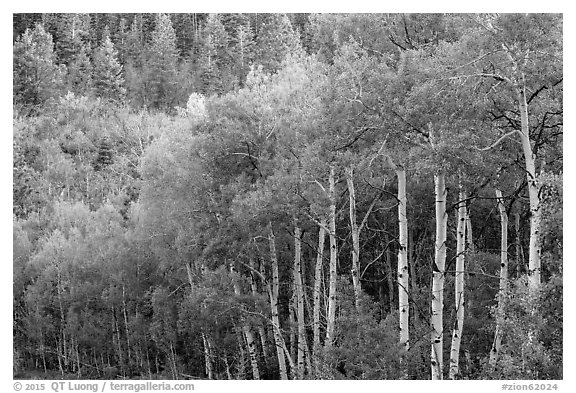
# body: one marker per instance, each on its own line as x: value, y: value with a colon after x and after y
x: 469, y: 238
x: 248, y: 334
x: 519, y: 252
x: 273, y: 293
x: 459, y: 288
x: 330, y: 329
x: 355, y: 230
x: 403, y: 275
x: 533, y: 191
x: 207, y: 358
x: 436, y: 357
x: 317, y: 291
x: 261, y: 329
x: 299, y: 301
x: 500, y: 311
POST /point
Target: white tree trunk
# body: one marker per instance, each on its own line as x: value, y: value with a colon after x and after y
x: 519, y: 253
x: 459, y: 288
x: 248, y: 334
x: 207, y: 357
x: 317, y: 291
x: 533, y: 193
x: 436, y: 357
x: 403, y: 274
x: 273, y: 293
x: 355, y: 230
x: 299, y: 302
x: 330, y: 329
x: 500, y: 312
x: 261, y: 329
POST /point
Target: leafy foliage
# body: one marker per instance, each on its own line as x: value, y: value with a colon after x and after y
x: 162, y: 162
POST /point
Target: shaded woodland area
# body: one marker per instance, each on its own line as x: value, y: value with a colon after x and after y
x: 288, y: 196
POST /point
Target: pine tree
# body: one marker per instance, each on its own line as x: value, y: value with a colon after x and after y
x: 161, y: 67
x: 184, y: 26
x: 79, y: 77
x: 37, y: 77
x: 107, y: 74
x: 215, y: 60
x: 276, y: 39
x: 72, y: 36
x: 243, y: 49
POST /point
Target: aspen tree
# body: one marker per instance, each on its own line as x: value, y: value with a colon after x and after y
x: 248, y: 334
x: 403, y: 275
x: 436, y: 356
x: 459, y: 286
x: 273, y: 293
x: 302, y: 345
x: 331, y: 326
x: 500, y: 312
x: 317, y: 289
x: 349, y: 172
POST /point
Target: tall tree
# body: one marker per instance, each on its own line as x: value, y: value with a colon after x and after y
x: 161, y: 65
x: 215, y: 60
x: 459, y: 286
x: 275, y: 40
x: 527, y: 64
x: 503, y: 283
x: 37, y: 77
x: 107, y: 75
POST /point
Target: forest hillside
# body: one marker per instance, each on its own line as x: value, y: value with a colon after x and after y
x: 288, y: 196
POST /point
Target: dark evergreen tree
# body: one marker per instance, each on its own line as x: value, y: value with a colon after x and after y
x: 37, y: 77
x: 243, y: 47
x: 107, y: 76
x: 79, y: 77
x: 161, y: 66
x: 215, y: 60
x: 276, y: 39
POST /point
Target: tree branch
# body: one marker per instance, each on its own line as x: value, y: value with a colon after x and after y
x: 498, y: 141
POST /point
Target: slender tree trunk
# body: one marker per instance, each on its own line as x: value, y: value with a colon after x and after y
x: 227, y: 365
x: 469, y: 238
x: 273, y: 293
x: 459, y: 288
x: 413, y: 261
x: 436, y: 357
x: 355, y: 230
x: 207, y: 357
x: 261, y: 329
x: 500, y: 312
x: 247, y: 332
x: 389, y: 274
x: 126, y: 326
x: 403, y: 275
x: 293, y: 338
x: 330, y: 328
x: 317, y: 292
x: 533, y: 192
x: 242, y: 363
x: 299, y: 301
x: 518, y: 244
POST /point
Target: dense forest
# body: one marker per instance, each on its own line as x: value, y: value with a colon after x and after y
x: 287, y: 196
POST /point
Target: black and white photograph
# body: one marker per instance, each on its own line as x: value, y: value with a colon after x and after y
x: 287, y: 196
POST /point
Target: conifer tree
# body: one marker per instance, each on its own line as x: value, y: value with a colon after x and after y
x: 215, y: 60
x: 243, y: 48
x: 72, y: 36
x: 276, y: 39
x: 37, y: 77
x: 107, y: 74
x: 161, y: 66
x: 79, y: 77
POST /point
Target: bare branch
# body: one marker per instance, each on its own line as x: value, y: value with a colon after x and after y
x: 498, y: 141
